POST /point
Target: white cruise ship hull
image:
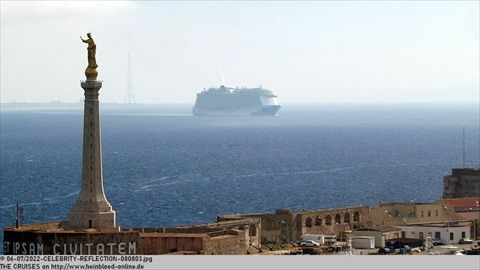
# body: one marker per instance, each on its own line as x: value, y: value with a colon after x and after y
x: 263, y: 111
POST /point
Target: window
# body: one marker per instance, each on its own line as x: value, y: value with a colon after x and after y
x: 429, y: 214
x: 436, y: 212
x: 438, y: 235
x: 397, y: 213
x: 346, y: 218
x: 253, y: 230
x: 464, y: 235
x: 451, y: 236
x: 318, y: 221
x: 328, y: 220
x: 338, y: 219
x: 356, y: 217
x: 90, y: 225
x: 420, y: 235
x: 308, y: 222
x: 422, y: 213
x: 403, y: 234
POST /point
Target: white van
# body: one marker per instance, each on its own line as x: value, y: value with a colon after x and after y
x: 320, y: 238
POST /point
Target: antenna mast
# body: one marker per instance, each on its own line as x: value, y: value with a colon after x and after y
x: 129, y: 96
x: 463, y: 140
x: 41, y: 205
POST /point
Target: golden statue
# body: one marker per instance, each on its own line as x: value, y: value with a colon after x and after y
x: 91, y: 71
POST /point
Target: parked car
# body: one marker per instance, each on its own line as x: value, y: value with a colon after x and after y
x: 465, y: 241
x: 385, y: 250
x: 476, y: 245
x: 437, y: 242
x: 309, y: 243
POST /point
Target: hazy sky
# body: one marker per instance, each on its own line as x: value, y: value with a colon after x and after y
x: 305, y: 51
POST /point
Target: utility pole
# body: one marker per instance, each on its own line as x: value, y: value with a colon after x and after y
x: 41, y: 204
x: 16, y: 219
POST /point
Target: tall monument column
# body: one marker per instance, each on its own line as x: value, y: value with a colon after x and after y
x: 92, y: 210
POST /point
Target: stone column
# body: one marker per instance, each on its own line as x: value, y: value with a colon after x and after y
x: 92, y: 210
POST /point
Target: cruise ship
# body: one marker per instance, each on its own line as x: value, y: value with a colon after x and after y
x: 236, y: 102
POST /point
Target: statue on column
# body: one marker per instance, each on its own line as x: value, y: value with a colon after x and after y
x: 91, y: 71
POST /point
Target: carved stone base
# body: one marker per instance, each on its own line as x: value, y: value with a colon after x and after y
x: 82, y: 220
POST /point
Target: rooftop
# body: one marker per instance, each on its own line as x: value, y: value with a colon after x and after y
x: 177, y: 235
x: 471, y: 202
x: 468, y: 215
x: 441, y: 225
x: 466, y: 171
x: 380, y: 229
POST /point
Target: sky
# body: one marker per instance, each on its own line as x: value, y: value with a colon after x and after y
x: 361, y: 51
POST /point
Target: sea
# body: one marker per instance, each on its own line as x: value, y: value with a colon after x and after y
x: 165, y: 167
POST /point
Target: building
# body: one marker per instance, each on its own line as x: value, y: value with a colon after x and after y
x: 338, y: 221
x: 462, y: 183
x: 381, y: 234
x: 448, y: 232
x: 56, y: 238
x: 393, y: 213
x: 285, y: 226
x: 363, y: 242
x: 468, y: 210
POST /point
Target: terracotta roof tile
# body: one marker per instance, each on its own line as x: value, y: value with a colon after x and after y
x: 472, y: 202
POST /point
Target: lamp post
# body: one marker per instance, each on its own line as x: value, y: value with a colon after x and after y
x: 338, y: 232
x: 448, y: 224
x: 286, y: 232
x: 477, y: 205
x: 386, y: 217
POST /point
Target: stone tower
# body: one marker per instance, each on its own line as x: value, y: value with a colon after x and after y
x: 462, y: 183
x: 92, y: 210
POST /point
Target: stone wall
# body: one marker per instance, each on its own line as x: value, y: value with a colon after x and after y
x: 236, y: 236
x: 332, y: 221
x: 275, y: 228
x: 31, y: 242
x: 163, y: 243
x: 286, y: 226
x: 225, y: 245
x: 462, y: 183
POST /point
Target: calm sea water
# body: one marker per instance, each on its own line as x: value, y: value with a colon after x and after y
x: 164, y: 167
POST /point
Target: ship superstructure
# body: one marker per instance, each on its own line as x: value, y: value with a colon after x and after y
x: 236, y: 101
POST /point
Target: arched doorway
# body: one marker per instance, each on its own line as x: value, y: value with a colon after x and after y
x: 346, y: 218
x: 328, y: 220
x: 318, y: 221
x: 308, y: 222
x: 338, y: 219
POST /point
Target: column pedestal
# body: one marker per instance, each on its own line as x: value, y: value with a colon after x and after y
x: 92, y: 210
